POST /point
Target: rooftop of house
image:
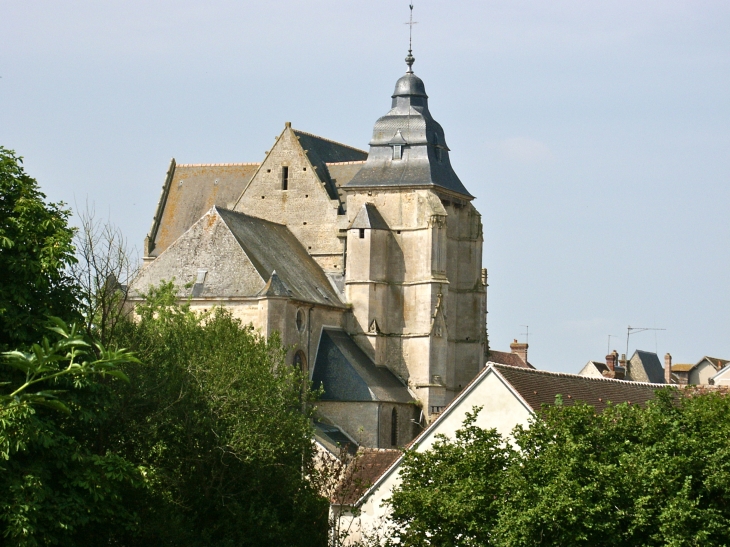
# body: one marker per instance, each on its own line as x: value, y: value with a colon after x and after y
x: 644, y: 366
x: 364, y: 469
x: 540, y: 387
x: 507, y: 358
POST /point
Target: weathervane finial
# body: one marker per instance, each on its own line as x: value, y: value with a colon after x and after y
x: 410, y: 59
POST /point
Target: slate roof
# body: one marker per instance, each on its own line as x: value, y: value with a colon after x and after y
x: 369, y: 217
x: 425, y: 156
x: 507, y: 358
x: 322, y: 151
x: 342, y: 173
x: 327, y: 150
x: 644, y: 366
x: 348, y: 374
x: 189, y: 191
x: 333, y: 438
x: 272, y: 248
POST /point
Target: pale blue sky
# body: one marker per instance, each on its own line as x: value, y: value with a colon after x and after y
x: 595, y: 135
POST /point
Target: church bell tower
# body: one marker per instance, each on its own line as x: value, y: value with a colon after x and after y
x: 414, y: 254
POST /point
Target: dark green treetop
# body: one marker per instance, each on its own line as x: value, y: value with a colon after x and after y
x: 36, y: 249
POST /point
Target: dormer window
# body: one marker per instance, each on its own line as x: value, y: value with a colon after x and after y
x: 285, y: 178
x: 397, y: 143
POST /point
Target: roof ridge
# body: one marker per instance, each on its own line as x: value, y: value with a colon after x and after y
x: 218, y: 208
x: 216, y: 164
x: 329, y: 140
x: 571, y: 375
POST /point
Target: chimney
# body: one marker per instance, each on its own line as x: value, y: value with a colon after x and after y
x: 611, y: 361
x: 622, y: 361
x: 520, y: 350
x: 667, y: 369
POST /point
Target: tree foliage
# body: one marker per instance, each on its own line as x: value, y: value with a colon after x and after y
x: 631, y: 475
x: 218, y: 416
x: 56, y: 489
x: 35, y: 252
x: 449, y: 495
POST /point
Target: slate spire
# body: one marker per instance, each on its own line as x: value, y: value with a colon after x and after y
x: 408, y: 148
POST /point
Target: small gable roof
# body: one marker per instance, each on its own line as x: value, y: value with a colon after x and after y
x: 275, y: 251
x: 644, y: 366
x: 347, y: 374
x: 714, y: 361
x: 369, y: 217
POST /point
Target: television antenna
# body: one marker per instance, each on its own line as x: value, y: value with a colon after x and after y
x: 635, y: 330
x: 608, y: 347
x: 526, y: 333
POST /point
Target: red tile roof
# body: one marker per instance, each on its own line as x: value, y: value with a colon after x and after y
x: 362, y: 472
x: 507, y: 358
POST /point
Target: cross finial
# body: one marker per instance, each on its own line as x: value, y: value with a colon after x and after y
x: 410, y: 59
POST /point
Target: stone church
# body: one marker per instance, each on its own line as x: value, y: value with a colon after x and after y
x: 368, y: 264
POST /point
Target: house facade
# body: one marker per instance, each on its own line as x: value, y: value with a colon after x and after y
x: 508, y: 397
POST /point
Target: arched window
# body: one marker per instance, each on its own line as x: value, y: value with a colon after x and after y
x: 300, y: 320
x: 394, y: 428
x: 300, y: 361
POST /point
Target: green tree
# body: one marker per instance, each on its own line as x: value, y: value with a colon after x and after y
x: 451, y: 493
x: 35, y: 251
x: 631, y: 475
x: 217, y: 415
x: 55, y: 488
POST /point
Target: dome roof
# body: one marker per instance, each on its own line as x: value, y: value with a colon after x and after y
x: 409, y: 85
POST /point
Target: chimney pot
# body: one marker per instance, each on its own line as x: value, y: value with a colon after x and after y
x: 611, y: 361
x: 667, y: 369
x: 520, y: 350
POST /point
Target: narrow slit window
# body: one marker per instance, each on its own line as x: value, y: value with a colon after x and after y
x: 397, y: 151
x: 362, y: 233
x: 394, y: 428
x: 285, y: 178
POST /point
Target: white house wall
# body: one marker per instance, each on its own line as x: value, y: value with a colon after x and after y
x: 502, y: 409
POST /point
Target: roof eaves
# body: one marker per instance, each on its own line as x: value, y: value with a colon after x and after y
x: 157, y: 219
x: 299, y: 131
